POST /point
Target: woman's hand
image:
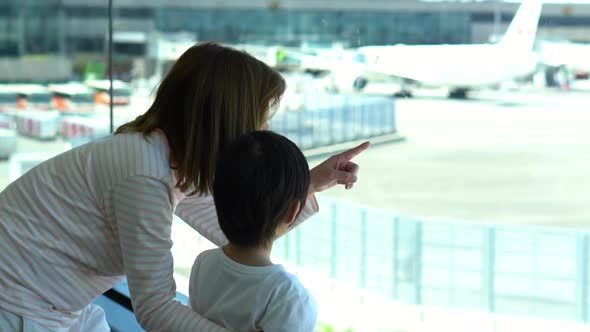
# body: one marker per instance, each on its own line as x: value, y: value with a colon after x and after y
x: 338, y: 169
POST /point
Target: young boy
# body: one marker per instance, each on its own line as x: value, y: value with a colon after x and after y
x: 260, y: 185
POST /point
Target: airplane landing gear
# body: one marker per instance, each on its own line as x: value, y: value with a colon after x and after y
x: 458, y: 93
x: 403, y: 93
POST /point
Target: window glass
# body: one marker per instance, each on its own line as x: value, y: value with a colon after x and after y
x: 472, y: 203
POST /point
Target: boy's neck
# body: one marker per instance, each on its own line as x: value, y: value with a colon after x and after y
x: 248, y: 256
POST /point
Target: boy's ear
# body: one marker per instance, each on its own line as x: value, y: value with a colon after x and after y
x: 292, y: 214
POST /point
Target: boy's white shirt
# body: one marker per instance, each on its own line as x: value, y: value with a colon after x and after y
x: 249, y: 298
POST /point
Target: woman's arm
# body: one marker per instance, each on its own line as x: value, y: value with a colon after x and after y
x: 142, y: 210
x: 199, y: 213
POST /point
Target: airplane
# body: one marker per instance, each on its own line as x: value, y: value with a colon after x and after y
x: 460, y: 68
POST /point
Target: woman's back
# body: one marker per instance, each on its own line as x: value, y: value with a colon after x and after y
x: 58, y: 220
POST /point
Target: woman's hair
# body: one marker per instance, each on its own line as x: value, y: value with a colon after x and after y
x: 210, y: 96
x: 259, y: 177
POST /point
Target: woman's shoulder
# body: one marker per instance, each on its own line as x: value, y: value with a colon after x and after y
x: 134, y: 154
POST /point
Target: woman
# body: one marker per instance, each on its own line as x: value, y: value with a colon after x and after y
x: 77, y: 224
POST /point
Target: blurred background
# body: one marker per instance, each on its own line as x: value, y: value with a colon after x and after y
x: 471, y: 211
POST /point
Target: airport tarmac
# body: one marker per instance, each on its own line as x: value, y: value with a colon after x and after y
x: 517, y: 157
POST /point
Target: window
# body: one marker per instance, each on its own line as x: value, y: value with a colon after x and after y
x: 472, y: 203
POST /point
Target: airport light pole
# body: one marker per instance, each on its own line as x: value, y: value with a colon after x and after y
x: 497, y: 18
x: 110, y: 64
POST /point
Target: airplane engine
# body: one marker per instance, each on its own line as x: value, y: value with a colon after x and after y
x: 359, y: 83
x: 348, y: 82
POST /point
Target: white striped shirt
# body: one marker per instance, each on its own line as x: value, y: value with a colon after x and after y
x: 75, y: 225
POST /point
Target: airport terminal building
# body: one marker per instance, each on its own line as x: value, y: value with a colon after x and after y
x: 68, y: 27
x: 56, y: 40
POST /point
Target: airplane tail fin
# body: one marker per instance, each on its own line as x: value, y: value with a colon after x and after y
x: 523, y: 28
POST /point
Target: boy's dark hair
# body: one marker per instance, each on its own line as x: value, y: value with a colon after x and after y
x: 258, y: 178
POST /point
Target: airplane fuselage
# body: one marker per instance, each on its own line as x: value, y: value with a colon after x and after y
x: 452, y: 66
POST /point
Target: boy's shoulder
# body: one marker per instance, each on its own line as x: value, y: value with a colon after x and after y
x: 286, y: 278
x: 291, y: 306
x: 206, y: 257
x: 288, y: 288
x: 208, y: 253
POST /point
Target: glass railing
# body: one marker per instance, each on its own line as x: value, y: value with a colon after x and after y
x: 517, y: 270
x: 322, y: 119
